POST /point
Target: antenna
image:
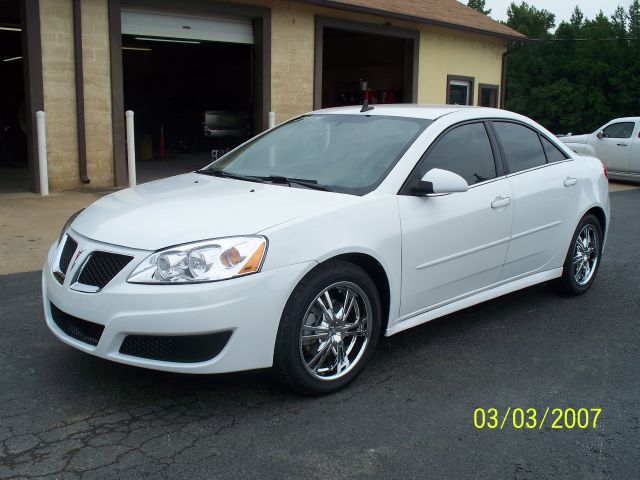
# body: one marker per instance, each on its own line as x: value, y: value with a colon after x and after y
x: 365, y: 107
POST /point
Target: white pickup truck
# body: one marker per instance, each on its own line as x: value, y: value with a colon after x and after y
x: 617, y: 144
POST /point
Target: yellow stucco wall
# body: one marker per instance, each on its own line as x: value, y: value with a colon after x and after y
x: 450, y: 52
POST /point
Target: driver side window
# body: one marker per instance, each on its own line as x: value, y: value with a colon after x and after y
x: 619, y: 130
x: 465, y: 150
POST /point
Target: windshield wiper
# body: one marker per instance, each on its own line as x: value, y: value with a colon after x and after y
x: 278, y: 179
x: 235, y: 176
x: 303, y: 182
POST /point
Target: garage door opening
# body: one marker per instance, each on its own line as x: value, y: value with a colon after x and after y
x: 361, y: 63
x: 14, y: 164
x: 193, y: 89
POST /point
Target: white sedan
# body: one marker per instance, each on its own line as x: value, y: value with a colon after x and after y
x: 300, y: 248
x: 616, y: 143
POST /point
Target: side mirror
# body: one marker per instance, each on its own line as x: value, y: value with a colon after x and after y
x: 437, y: 180
x: 600, y: 134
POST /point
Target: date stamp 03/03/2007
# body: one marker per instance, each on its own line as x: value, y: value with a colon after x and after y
x: 536, y: 418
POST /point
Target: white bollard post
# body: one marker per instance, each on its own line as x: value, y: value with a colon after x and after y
x: 131, y: 149
x: 272, y: 119
x: 42, y: 153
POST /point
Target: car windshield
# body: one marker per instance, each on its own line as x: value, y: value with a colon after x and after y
x: 343, y: 153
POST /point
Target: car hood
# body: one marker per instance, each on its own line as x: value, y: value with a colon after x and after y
x: 575, y: 138
x: 193, y: 207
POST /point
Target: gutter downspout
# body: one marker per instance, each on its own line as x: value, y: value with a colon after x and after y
x: 79, y: 70
x: 503, y: 78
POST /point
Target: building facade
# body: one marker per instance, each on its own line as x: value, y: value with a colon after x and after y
x: 87, y: 61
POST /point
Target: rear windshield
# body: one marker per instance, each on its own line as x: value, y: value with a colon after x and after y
x: 346, y: 153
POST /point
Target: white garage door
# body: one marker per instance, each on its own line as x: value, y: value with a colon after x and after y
x: 157, y: 24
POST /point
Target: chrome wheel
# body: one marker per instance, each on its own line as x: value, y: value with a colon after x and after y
x: 585, y: 254
x: 335, y: 331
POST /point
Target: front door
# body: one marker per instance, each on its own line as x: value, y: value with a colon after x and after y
x: 614, y: 146
x: 634, y: 162
x: 455, y: 244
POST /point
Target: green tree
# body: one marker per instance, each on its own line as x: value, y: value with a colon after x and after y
x: 479, y: 5
x: 599, y: 28
x: 634, y: 19
x: 577, y: 19
x: 579, y: 76
x: 619, y: 23
x: 530, y: 21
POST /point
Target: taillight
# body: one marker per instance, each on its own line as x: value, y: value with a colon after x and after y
x: 604, y: 169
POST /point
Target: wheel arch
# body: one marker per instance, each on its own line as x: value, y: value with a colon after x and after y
x: 378, y: 274
x: 598, y: 212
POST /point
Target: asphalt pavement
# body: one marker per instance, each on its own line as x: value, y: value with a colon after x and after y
x: 66, y: 414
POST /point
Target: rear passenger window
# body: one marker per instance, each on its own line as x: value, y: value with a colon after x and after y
x: 465, y: 150
x: 554, y: 154
x: 521, y: 146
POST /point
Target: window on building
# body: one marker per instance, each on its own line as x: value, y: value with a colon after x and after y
x: 488, y: 95
x: 465, y: 150
x: 521, y: 146
x: 459, y: 90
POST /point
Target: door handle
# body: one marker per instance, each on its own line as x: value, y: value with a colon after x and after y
x: 622, y: 144
x: 570, y: 181
x: 500, y: 202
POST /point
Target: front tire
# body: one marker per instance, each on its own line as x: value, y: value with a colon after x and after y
x: 329, y: 329
x: 583, y: 258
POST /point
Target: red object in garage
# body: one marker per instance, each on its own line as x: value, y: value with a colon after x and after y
x: 387, y: 96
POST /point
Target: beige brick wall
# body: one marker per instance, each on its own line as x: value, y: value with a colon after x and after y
x: 58, y: 65
x: 56, y: 17
x: 293, y: 51
x: 292, y: 58
x: 97, y: 92
x: 442, y: 51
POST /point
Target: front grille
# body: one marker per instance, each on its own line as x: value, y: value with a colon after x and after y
x: 68, y: 250
x: 87, y: 332
x: 183, y: 349
x: 102, y: 267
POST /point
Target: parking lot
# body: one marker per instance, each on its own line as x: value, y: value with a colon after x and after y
x: 66, y: 414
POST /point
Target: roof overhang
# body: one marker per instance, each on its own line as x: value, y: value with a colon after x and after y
x: 339, y: 5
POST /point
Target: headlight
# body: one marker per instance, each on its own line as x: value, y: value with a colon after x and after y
x: 68, y: 224
x: 206, y: 261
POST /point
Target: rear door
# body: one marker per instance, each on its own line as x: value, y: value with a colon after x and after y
x: 544, y: 196
x: 455, y: 244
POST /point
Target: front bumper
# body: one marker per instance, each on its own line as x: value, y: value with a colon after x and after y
x: 249, y: 308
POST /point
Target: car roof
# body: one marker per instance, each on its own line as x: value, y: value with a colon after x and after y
x: 624, y: 119
x: 429, y: 112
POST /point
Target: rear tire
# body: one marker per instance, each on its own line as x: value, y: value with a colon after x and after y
x: 329, y: 329
x: 583, y: 258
